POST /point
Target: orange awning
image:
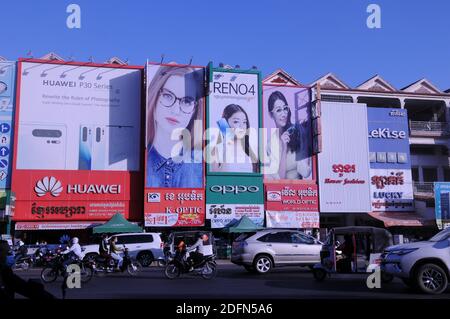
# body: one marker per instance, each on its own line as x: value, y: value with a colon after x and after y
x: 408, y: 219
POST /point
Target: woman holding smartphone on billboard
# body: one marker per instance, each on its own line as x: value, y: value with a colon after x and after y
x: 232, y: 152
x: 293, y: 158
x: 174, y: 112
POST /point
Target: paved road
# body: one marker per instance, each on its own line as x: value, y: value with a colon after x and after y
x: 232, y: 282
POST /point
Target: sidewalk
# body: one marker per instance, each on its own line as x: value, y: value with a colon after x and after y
x: 223, y: 262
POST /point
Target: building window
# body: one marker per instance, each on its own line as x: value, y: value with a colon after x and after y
x: 447, y: 174
x: 430, y: 174
x: 336, y: 98
x: 415, y: 174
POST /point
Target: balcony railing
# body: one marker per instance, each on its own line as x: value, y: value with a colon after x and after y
x: 429, y: 128
x: 423, y: 189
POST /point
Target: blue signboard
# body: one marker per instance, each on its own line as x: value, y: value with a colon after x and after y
x: 390, y: 160
x: 388, y: 138
x: 442, y: 204
x: 7, y: 94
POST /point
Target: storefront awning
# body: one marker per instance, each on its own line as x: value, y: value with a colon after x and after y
x: 55, y: 225
x: 408, y: 219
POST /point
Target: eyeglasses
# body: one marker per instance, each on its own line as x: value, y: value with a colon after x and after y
x: 281, y: 109
x: 168, y: 99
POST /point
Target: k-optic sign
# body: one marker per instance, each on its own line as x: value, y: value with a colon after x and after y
x: 235, y: 189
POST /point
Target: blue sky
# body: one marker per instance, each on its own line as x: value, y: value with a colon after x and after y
x: 306, y: 38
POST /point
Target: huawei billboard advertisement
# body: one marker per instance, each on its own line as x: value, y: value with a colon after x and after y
x: 77, y: 151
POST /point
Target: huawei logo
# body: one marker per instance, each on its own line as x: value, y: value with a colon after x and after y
x: 48, y: 185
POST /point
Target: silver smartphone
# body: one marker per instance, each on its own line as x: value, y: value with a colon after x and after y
x: 85, y: 148
x: 42, y: 146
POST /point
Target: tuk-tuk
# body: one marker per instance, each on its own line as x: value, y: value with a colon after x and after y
x: 189, y: 238
x: 352, y: 250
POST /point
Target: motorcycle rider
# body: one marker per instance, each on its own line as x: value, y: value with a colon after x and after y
x: 21, y: 251
x: 73, y: 253
x: 103, y: 247
x: 114, y: 251
x: 202, y: 248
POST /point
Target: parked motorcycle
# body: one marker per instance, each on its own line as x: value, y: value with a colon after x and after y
x: 108, y: 265
x: 179, y: 264
x: 23, y: 263
x: 56, y: 268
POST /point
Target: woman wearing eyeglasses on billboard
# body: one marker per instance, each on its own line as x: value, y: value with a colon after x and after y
x: 232, y: 152
x: 290, y: 158
x: 174, y: 114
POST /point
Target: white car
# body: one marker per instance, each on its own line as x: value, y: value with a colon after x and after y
x: 144, y: 247
x: 261, y: 251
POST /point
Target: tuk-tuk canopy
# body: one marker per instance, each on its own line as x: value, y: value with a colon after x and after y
x: 117, y: 224
x: 381, y: 237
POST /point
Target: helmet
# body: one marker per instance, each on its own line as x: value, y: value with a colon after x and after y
x: 75, y: 240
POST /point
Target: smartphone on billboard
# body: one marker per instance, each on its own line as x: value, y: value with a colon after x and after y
x: 99, y: 148
x: 85, y: 151
x: 42, y: 146
x: 225, y: 128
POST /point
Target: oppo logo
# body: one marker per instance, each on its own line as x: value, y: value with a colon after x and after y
x: 48, y: 185
x: 234, y: 189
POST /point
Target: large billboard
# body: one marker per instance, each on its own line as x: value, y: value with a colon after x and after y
x: 442, y: 204
x: 390, y: 165
x: 174, y: 178
x: 288, y: 162
x: 233, y: 121
x: 7, y: 95
x: 77, y: 151
x: 344, y: 160
x: 287, y: 135
x: 234, y: 185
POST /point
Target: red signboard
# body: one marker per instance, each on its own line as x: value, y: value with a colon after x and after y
x: 174, y: 207
x: 77, y: 143
x: 73, y: 195
x: 292, y: 197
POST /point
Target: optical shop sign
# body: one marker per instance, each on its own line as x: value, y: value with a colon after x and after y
x: 292, y: 206
x: 175, y: 207
x: 231, y: 198
x: 296, y: 197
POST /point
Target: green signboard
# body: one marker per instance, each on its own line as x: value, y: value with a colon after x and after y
x: 234, y: 190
